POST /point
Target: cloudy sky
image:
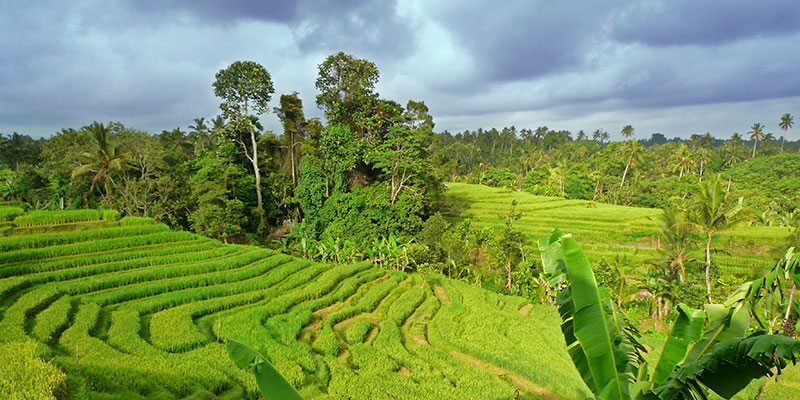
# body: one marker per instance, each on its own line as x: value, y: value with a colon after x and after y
x: 676, y: 67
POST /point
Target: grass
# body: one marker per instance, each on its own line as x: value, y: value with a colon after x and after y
x: 605, y: 230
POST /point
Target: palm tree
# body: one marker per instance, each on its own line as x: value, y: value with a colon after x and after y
x: 627, y: 132
x: 596, y: 135
x: 756, y: 133
x: 678, y: 243
x: 710, y: 212
x: 634, y: 156
x: 581, y: 136
x: 785, y: 124
x: 682, y: 160
x: 104, y: 160
x: 707, y: 141
x: 199, y: 132
x: 604, y: 138
x: 702, y: 158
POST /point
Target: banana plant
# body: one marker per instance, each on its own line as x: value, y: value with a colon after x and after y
x: 271, y: 384
x: 696, y: 358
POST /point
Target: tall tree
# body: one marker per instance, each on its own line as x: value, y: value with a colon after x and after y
x: 633, y: 155
x: 785, y: 124
x: 711, y: 212
x: 294, y: 128
x: 682, y: 160
x: 199, y: 132
x: 103, y: 161
x: 756, y: 133
x: 245, y: 87
x: 627, y: 132
x: 346, y: 87
x: 18, y: 149
x: 596, y: 135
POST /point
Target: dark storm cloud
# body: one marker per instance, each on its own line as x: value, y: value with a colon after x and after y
x: 223, y: 12
x: 150, y: 64
x: 692, y: 22
x: 523, y: 39
x: 358, y: 26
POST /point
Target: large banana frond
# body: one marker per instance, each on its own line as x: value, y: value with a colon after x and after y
x: 687, y: 328
x: 599, y: 348
x: 730, y: 366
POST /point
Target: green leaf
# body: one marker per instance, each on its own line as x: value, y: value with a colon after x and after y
x: 551, y: 252
x: 724, y: 323
x: 730, y: 366
x: 688, y: 328
x: 271, y: 383
x: 591, y: 347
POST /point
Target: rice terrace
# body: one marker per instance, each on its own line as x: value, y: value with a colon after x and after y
x: 399, y: 200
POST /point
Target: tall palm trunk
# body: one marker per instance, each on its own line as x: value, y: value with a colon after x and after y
x: 624, y: 174
x: 254, y: 160
x: 291, y: 156
x: 788, y: 307
x: 782, y: 139
x: 708, y: 265
x: 755, y: 144
x: 508, y: 280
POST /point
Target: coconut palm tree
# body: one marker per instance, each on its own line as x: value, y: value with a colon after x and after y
x: 104, y: 160
x: 710, y: 212
x: 678, y: 243
x: 702, y: 158
x: 785, y: 124
x: 627, y: 132
x: 633, y: 153
x: 596, y: 135
x: 756, y: 133
x: 581, y: 136
x: 604, y: 138
x: 200, y: 134
x: 682, y: 160
x: 707, y: 141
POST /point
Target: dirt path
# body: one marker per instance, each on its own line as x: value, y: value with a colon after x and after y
x: 517, y: 380
x: 441, y: 295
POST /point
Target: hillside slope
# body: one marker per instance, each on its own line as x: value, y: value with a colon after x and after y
x: 606, y: 230
x: 130, y: 309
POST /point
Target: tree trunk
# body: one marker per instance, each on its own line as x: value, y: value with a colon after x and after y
x: 701, y: 170
x: 623, y: 175
x: 291, y: 159
x: 782, y: 139
x: 254, y: 160
x: 108, y: 194
x: 508, y: 281
x: 788, y: 308
x: 708, y: 266
x: 755, y: 144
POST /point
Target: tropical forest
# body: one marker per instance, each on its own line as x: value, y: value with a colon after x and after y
x: 345, y: 245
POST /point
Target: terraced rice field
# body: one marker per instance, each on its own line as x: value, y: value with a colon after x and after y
x: 606, y: 230
x: 130, y: 309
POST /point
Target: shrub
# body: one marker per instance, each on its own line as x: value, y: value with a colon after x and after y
x: 500, y: 177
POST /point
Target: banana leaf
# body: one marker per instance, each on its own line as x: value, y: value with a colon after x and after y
x: 688, y: 328
x: 271, y: 383
x: 605, y: 367
x: 730, y: 366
